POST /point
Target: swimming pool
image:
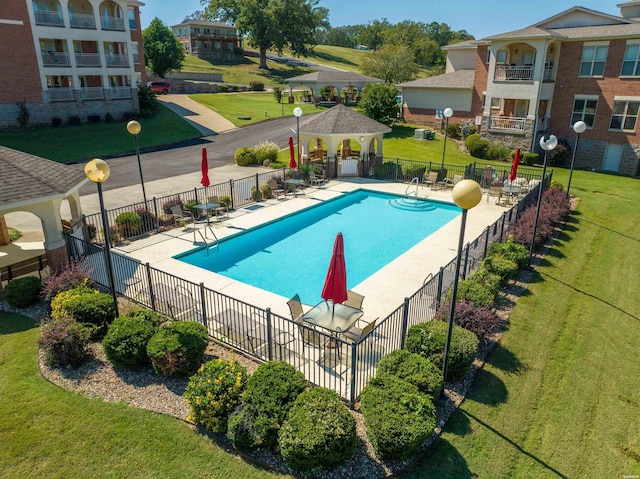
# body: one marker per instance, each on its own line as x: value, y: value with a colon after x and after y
x: 291, y: 255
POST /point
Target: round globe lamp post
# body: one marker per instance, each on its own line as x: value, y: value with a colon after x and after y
x: 466, y: 194
x: 547, y: 144
x: 98, y: 172
x: 579, y: 127
x: 448, y: 113
x: 134, y: 128
x: 297, y: 112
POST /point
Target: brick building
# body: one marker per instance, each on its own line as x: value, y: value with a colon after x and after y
x: 209, y: 40
x: 67, y: 58
x: 577, y: 65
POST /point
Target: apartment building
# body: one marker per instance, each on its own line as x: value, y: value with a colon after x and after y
x: 209, y: 40
x: 67, y: 58
x: 580, y: 64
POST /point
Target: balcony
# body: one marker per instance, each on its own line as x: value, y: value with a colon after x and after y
x: 55, y: 59
x: 112, y: 23
x: 49, y: 18
x: 88, y: 59
x: 117, y: 60
x: 61, y: 94
x: 118, y: 92
x: 521, y: 72
x: 78, y: 20
x: 508, y: 123
x: 92, y: 93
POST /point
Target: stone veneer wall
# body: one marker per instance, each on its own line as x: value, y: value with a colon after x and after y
x: 509, y: 139
x: 590, y: 155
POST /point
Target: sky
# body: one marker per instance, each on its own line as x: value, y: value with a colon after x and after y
x: 480, y: 18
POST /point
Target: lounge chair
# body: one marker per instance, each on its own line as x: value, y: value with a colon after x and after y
x: 180, y: 215
x: 355, y: 334
x: 354, y: 299
x: 316, y: 179
x: 222, y: 210
x: 495, y: 191
x: 431, y: 179
x: 275, y: 188
x: 456, y: 179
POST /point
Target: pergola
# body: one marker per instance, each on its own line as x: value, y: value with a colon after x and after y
x: 336, y: 127
x: 340, y: 80
x: 37, y: 185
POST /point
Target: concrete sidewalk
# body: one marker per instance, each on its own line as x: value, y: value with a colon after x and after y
x: 207, y: 121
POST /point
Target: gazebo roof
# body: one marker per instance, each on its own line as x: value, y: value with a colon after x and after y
x: 324, y: 76
x: 342, y: 120
x: 28, y: 177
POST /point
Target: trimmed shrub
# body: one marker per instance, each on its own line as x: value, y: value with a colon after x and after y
x: 93, y: 308
x: 529, y: 159
x: 399, y: 418
x: 319, y: 431
x: 56, y: 121
x: 166, y: 207
x: 72, y: 275
x: 472, y: 138
x: 64, y: 342
x: 23, y: 292
x: 266, y: 191
x: 59, y: 301
x: 256, y: 86
x: 74, y: 120
x: 265, y: 150
x: 224, y: 89
x: 560, y: 155
x: 129, y: 224
x: 108, y: 118
x: 94, y: 118
x: 487, y: 279
x: 428, y: 340
x: 522, y: 229
x: 177, y: 349
x: 387, y: 170
x: 497, y: 152
x: 244, y: 156
x: 415, y: 171
x: 214, y: 391
x: 414, y: 369
x: 479, y: 320
x: 148, y: 220
x: 511, y: 250
x: 478, y: 147
x: 454, y: 130
x: 225, y: 200
x: 270, y: 393
x: 476, y: 292
x: 502, y: 266
x: 125, y: 343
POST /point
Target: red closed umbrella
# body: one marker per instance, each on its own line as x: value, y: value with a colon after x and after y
x: 335, y: 284
x: 205, y: 169
x: 292, y: 154
x: 514, y: 166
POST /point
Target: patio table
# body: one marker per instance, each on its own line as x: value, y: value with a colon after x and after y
x: 337, y: 321
x: 293, y: 185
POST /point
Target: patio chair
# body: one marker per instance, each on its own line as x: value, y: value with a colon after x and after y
x: 456, y: 179
x: 316, y: 179
x: 222, y: 210
x: 276, y: 189
x: 495, y: 191
x: 354, y: 299
x: 180, y: 215
x: 355, y: 334
x: 295, y: 307
x: 431, y: 179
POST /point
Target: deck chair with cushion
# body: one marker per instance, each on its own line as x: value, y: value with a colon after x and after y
x: 354, y: 299
x: 180, y: 215
x: 222, y: 210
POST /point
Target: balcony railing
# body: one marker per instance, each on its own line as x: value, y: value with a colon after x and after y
x: 117, y: 60
x: 506, y: 123
x: 92, y: 93
x: 88, y: 59
x: 81, y: 20
x: 112, y: 23
x: 548, y: 71
x: 61, y: 94
x: 510, y: 72
x: 120, y: 92
x: 55, y: 59
x: 48, y: 17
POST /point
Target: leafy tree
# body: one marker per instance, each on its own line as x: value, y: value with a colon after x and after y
x: 415, y: 36
x: 272, y: 24
x: 162, y: 51
x: 277, y: 93
x: 372, y: 35
x: 392, y: 63
x: 345, y: 36
x: 379, y: 101
x: 442, y: 34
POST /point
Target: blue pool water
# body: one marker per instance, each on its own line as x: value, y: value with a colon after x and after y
x: 291, y: 255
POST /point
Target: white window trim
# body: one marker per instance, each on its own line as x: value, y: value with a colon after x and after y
x: 586, y: 97
x: 593, y: 44
x: 625, y: 99
x: 637, y: 61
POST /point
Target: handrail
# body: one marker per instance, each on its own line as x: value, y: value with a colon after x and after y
x: 204, y: 237
x: 415, y: 180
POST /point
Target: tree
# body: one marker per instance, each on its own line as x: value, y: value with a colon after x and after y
x: 344, y: 36
x: 392, y: 63
x: 272, y: 24
x: 379, y: 101
x: 162, y: 51
x: 372, y: 35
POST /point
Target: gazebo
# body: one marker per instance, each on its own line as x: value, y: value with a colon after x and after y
x: 37, y: 185
x: 348, y: 85
x: 338, y: 127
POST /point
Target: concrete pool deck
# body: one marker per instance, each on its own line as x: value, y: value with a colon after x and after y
x: 384, y: 291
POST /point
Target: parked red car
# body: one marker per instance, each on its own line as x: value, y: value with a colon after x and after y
x: 158, y: 87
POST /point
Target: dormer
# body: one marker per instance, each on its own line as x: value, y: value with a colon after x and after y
x: 630, y: 10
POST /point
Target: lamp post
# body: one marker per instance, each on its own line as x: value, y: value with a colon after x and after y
x: 297, y: 112
x: 448, y: 113
x: 578, y: 127
x: 134, y: 128
x: 547, y: 145
x: 466, y: 194
x: 98, y: 172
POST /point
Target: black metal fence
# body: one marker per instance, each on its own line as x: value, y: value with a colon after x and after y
x: 326, y: 360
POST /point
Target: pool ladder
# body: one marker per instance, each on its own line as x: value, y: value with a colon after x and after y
x: 205, y: 237
x: 415, y: 180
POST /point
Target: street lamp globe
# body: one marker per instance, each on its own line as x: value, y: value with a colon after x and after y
x: 297, y: 112
x: 548, y: 144
x: 97, y: 170
x: 134, y: 127
x: 579, y: 127
x: 467, y: 194
x: 448, y: 112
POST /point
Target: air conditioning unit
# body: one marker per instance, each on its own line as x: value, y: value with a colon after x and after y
x: 419, y: 133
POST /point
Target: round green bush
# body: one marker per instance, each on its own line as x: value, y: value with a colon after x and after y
x: 428, y: 340
x: 399, y: 418
x: 502, y: 266
x: 472, y: 138
x: 214, y: 391
x: 177, y: 349
x: 319, y: 431
x: 244, y: 156
x: 64, y: 342
x: 454, y: 130
x: 487, y: 279
x: 129, y: 223
x: 413, y: 368
x: 512, y: 250
x: 265, y: 150
x: 23, y: 292
x: 497, y: 153
x: 476, y: 292
x: 92, y: 308
x: 271, y: 390
x: 125, y: 343
x: 478, y: 148
x: 60, y: 299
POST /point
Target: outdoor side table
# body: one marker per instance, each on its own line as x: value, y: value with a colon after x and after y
x: 294, y: 185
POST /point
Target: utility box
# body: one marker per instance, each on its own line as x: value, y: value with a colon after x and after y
x: 419, y: 133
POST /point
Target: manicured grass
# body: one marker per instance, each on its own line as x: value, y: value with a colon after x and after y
x: 559, y: 397
x: 234, y: 106
x: 50, y: 432
x: 68, y: 144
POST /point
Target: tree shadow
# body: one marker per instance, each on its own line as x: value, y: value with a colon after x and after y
x: 440, y: 460
x: 611, y: 230
x: 532, y: 276
x: 401, y: 131
x: 488, y: 389
x: 331, y: 58
x: 506, y: 360
x: 554, y: 253
x: 11, y: 323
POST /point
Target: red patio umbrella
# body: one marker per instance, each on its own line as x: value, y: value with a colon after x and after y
x: 514, y: 166
x: 335, y: 284
x: 292, y: 161
x: 205, y: 169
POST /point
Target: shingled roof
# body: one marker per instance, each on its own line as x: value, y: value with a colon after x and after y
x: 342, y: 120
x: 458, y: 79
x: 25, y: 177
x: 333, y: 75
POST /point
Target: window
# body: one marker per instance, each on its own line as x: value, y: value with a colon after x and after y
x: 593, y: 59
x: 584, y: 109
x: 624, y: 115
x: 495, y: 103
x: 630, y: 63
x: 501, y: 56
x: 132, y: 19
